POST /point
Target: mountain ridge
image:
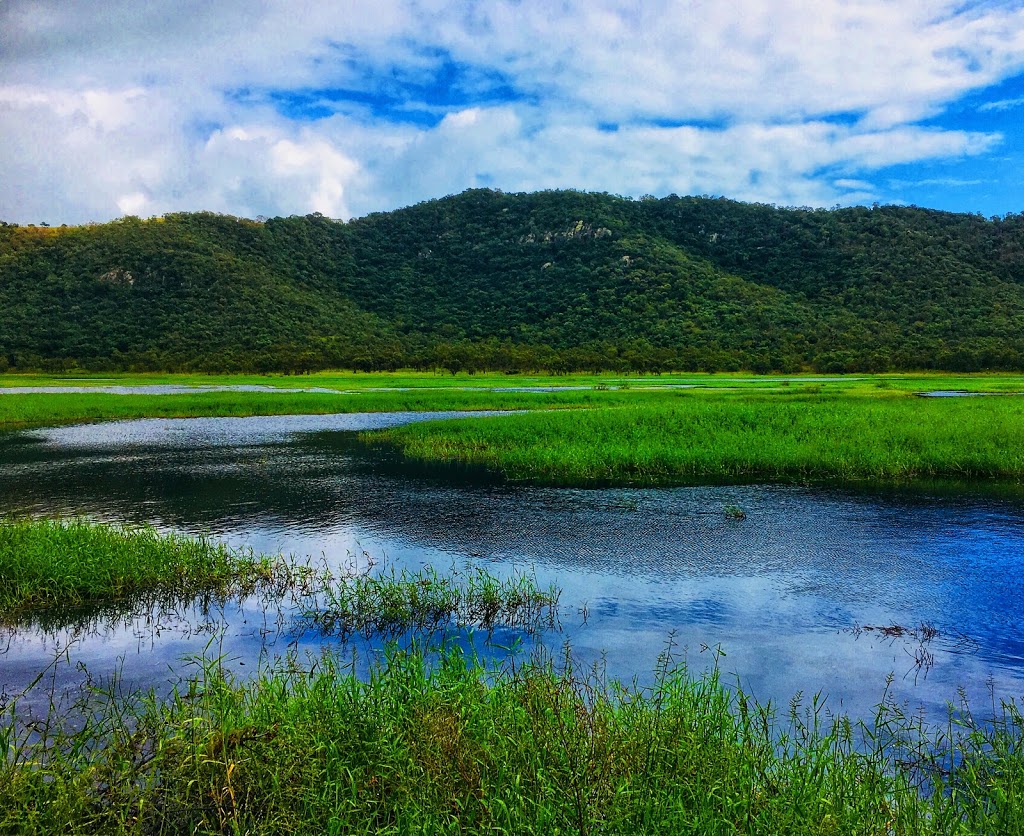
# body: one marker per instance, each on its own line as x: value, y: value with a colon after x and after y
x: 558, y: 280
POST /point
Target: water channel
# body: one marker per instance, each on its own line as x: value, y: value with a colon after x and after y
x: 786, y: 593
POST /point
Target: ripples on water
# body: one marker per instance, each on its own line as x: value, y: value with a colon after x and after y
x: 782, y: 591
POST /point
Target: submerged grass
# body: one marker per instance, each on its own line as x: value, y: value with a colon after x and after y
x: 678, y: 437
x: 452, y: 746
x: 46, y: 564
x: 49, y: 567
x: 424, y: 600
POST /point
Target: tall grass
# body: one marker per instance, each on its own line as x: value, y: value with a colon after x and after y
x: 692, y: 436
x: 67, y: 564
x: 455, y: 747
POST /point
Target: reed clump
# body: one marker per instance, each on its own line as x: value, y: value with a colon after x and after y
x: 398, y: 602
x: 429, y: 744
x: 67, y: 564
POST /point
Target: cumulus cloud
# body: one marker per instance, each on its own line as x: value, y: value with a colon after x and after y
x: 121, y: 107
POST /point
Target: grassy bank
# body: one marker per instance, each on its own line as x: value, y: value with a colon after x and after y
x: 877, y: 435
x: 618, y: 431
x: 49, y: 564
x: 453, y: 747
x: 428, y: 743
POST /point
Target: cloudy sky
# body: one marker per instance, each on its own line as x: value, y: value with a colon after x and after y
x: 268, y: 107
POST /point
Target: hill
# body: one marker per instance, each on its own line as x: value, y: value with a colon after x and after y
x: 555, y: 280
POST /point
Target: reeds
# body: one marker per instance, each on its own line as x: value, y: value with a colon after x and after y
x: 453, y: 746
x: 425, y: 601
x: 737, y: 436
x: 49, y: 564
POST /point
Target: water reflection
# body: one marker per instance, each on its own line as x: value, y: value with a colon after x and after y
x: 782, y: 591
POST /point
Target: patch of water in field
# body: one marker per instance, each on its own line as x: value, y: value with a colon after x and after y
x: 786, y: 592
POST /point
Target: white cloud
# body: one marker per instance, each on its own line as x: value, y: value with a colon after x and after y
x: 1002, y: 104
x: 133, y: 204
x: 148, y: 108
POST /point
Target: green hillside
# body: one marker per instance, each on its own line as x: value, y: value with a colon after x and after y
x: 520, y: 282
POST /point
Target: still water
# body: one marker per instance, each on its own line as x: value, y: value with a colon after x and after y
x: 784, y: 593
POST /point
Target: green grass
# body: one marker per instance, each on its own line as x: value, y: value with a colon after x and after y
x: 64, y: 565
x: 349, y: 381
x: 386, y: 605
x: 443, y: 743
x: 452, y: 746
x: 876, y: 435
x: 47, y: 564
x: 858, y: 428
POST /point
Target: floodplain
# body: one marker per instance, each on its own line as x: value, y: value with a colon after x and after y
x: 761, y: 595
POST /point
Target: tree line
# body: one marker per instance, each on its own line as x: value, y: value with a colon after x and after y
x: 552, y: 281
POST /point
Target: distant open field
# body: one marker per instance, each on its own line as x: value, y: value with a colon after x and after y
x: 614, y: 430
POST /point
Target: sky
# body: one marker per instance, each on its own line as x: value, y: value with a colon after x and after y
x: 279, y: 107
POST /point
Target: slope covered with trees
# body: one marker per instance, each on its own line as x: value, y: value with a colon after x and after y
x: 556, y: 280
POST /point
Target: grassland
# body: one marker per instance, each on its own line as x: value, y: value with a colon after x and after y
x: 26, y: 411
x: 451, y: 746
x: 884, y: 436
x: 613, y: 430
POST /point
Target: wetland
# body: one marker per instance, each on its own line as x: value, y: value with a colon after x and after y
x: 840, y: 594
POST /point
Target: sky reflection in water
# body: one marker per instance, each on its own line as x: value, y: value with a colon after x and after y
x: 780, y: 592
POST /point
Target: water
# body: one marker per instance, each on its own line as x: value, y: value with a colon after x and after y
x: 783, y: 593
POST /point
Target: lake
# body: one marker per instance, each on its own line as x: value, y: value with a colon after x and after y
x: 784, y: 597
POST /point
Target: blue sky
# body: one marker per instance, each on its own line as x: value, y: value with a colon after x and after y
x: 117, y: 107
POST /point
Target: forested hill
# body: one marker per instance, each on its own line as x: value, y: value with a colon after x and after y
x: 519, y: 282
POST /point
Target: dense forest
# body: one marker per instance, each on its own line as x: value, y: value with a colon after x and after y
x: 553, y: 281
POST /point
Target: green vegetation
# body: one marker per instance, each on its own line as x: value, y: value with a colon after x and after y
x: 47, y: 409
x: 391, y: 604
x: 47, y: 564
x: 689, y: 436
x: 50, y: 564
x: 436, y: 741
x: 451, y: 746
x: 23, y: 411
x: 556, y: 281
x: 626, y: 431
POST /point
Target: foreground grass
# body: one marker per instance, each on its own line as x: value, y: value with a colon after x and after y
x: 49, y: 564
x: 429, y: 743
x: 453, y: 747
x: 678, y: 437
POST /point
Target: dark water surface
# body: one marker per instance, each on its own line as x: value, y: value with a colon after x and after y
x: 783, y: 592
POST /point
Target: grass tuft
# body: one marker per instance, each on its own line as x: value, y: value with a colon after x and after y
x: 48, y: 564
x: 387, y: 605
